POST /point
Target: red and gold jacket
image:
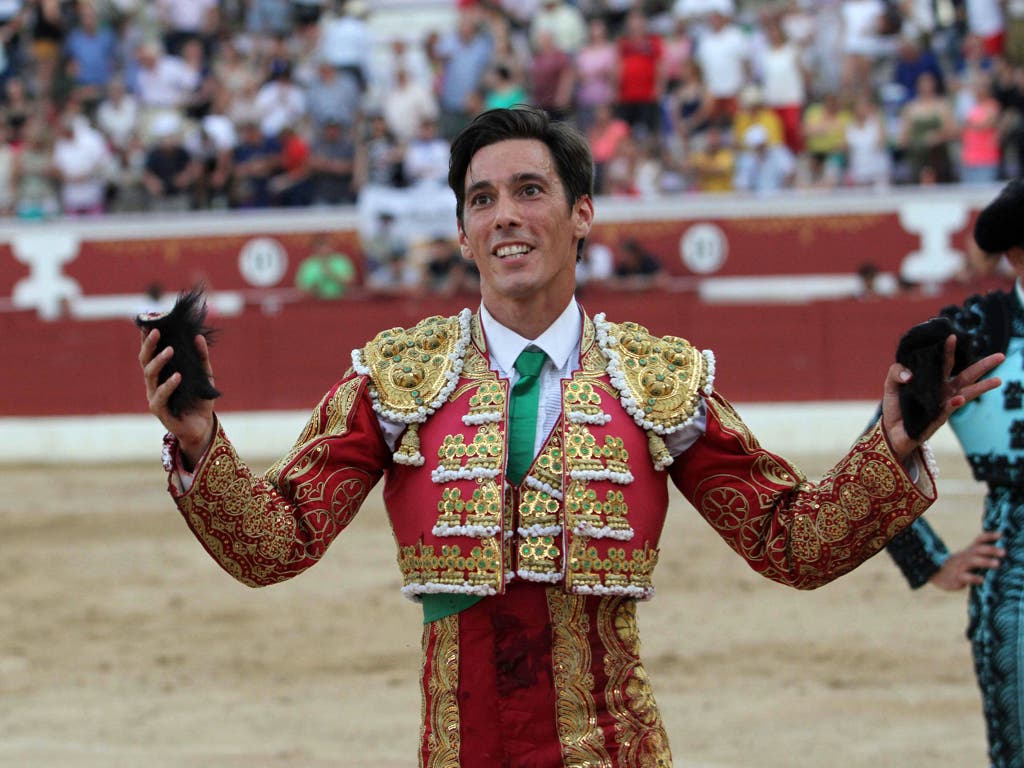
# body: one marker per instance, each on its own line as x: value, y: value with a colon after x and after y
x: 589, y: 513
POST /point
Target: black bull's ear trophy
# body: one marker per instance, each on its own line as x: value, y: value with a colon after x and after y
x: 179, y: 328
x: 922, y: 350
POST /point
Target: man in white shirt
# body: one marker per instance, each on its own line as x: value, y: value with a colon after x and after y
x: 527, y: 449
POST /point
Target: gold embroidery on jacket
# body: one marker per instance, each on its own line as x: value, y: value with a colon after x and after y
x: 586, y: 566
x: 423, y: 563
x: 483, y: 508
x: 575, y: 708
x: 484, y: 451
x: 410, y: 367
x: 664, y: 375
x: 639, y: 732
x: 444, y: 741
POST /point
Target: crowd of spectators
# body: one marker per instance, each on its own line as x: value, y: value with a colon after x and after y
x: 129, y: 105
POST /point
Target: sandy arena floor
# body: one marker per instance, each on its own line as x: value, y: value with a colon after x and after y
x: 123, y: 645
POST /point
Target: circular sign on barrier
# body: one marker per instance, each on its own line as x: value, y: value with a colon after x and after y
x: 703, y: 248
x: 263, y: 262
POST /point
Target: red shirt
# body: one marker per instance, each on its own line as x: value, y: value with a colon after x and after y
x: 639, y: 60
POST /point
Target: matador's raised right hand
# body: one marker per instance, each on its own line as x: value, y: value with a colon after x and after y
x: 193, y: 427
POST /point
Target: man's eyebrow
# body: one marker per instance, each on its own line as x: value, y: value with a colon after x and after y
x: 517, y: 178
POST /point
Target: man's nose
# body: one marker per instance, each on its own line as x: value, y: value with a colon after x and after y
x: 506, y: 212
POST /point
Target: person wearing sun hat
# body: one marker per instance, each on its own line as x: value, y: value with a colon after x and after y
x: 991, y: 432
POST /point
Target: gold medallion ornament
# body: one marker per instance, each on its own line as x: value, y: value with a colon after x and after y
x: 660, y: 380
x: 414, y: 370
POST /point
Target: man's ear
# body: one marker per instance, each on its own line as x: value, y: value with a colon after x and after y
x: 583, y: 215
x: 1015, y: 256
x: 467, y: 252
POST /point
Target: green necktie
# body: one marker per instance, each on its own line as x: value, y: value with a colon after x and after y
x: 522, y: 426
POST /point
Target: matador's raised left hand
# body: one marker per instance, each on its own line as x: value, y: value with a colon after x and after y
x: 956, y: 391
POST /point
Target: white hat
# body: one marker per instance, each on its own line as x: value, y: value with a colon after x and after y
x: 755, y: 136
x: 164, y: 125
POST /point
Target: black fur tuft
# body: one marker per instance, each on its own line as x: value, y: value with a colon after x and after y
x: 179, y: 328
x: 922, y: 351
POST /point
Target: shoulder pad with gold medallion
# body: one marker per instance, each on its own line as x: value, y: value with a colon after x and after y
x: 413, y: 370
x: 660, y: 379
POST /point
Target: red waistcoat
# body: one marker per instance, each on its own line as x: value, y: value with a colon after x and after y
x: 590, y: 510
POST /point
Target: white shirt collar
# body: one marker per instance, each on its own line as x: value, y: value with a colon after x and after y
x: 558, y: 341
x: 1019, y: 290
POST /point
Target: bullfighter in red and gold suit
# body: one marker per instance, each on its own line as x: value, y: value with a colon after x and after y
x: 529, y: 584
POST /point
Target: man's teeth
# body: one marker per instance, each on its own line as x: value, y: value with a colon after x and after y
x: 511, y: 250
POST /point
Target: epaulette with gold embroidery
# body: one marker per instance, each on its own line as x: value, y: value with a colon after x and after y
x: 660, y: 380
x: 413, y: 370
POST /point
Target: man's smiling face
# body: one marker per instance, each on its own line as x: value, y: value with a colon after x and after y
x: 518, y: 227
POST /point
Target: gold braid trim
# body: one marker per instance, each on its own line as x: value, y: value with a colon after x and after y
x: 582, y: 740
x: 444, y: 741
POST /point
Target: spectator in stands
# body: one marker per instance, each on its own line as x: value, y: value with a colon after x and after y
x: 184, y: 20
x: 117, y: 115
x: 753, y: 111
x: 406, y: 54
x: 170, y: 171
x: 551, y: 77
x: 913, y: 60
x: 332, y: 96
x: 867, y: 152
x: 332, y: 161
x: 379, y: 156
x: 406, y: 104
x: 503, y: 89
x: 346, y: 40
x: 34, y: 184
x: 783, y: 82
x: 48, y: 26
x: 14, y: 16
x: 80, y: 164
x: 426, y: 156
x: 163, y: 82
x: 465, y: 55
x: 442, y: 269
x: 18, y: 107
x: 256, y: 160
x: 641, y: 80
x: 604, y: 137
x: 212, y: 144
x: 985, y: 19
x: 676, y: 52
x: 7, y: 161
x: 563, y: 21
x: 234, y: 69
x: 689, y: 106
x: 636, y: 268
x: 197, y: 104
x: 388, y: 269
x: 862, y: 42
x: 597, y: 75
x: 1013, y: 51
x: 927, y: 127
x: 280, y: 102
x: 711, y: 166
x: 620, y: 175
x: 292, y: 186
x: 763, y: 168
x: 722, y: 52
x: 264, y: 18
x: 824, y: 126
x: 326, y: 273
x: 979, y: 137
x: 90, y: 52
